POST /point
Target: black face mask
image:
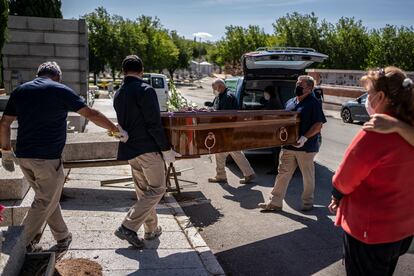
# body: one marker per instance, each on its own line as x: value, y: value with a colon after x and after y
x: 298, y: 91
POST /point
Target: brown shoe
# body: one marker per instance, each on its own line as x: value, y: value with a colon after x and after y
x: 247, y: 179
x: 217, y: 180
x: 269, y: 207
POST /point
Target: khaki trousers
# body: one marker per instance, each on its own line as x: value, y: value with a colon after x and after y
x: 288, y: 162
x: 240, y: 160
x: 148, y: 172
x: 46, y: 177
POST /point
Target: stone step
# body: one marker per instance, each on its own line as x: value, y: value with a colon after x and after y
x: 13, y: 251
x: 13, y: 185
x: 16, y: 209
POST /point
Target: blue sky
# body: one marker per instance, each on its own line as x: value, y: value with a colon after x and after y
x: 211, y: 16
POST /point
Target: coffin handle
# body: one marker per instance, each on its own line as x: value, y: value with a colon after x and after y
x: 283, y: 134
x: 210, y: 136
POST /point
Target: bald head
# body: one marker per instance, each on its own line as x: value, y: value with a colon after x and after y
x: 219, y: 85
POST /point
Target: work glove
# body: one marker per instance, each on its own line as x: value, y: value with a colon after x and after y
x: 170, y: 155
x: 8, y: 159
x: 300, y: 142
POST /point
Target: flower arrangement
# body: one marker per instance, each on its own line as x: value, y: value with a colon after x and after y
x: 1, y: 211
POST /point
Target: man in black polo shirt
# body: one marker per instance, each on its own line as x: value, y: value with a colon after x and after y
x: 147, y: 148
x: 41, y: 107
x: 303, y: 153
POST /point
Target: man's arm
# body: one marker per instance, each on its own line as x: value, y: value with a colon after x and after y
x: 383, y: 123
x: 5, y: 124
x: 97, y: 118
x: 315, y: 129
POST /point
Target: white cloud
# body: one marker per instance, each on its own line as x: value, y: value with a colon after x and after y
x: 202, y: 35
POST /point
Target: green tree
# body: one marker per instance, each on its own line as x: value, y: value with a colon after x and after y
x: 99, y: 40
x: 347, y: 45
x: 184, y: 54
x: 392, y: 46
x: 3, y: 28
x: 36, y: 8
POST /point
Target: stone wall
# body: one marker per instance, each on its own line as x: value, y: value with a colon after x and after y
x: 340, y: 77
x: 33, y: 40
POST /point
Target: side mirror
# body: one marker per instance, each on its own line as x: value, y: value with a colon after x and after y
x: 208, y: 104
x: 359, y: 100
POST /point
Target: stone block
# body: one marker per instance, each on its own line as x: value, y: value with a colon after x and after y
x: 82, y: 26
x: 3, y: 103
x: 77, y: 121
x: 71, y: 77
x: 25, y: 36
x: 59, y: 38
x: 90, y: 146
x: 15, y: 49
x: 40, y: 23
x: 25, y: 62
x: 67, y: 51
x: 16, y: 210
x: 66, y: 25
x: 13, y: 185
x: 17, y: 22
x: 13, y: 251
x: 41, y: 50
x: 67, y: 64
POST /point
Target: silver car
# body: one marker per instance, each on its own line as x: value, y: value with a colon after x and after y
x: 355, y: 110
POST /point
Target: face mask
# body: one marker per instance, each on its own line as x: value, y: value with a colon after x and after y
x: 298, y: 91
x: 216, y: 93
x: 266, y: 96
x: 368, y: 106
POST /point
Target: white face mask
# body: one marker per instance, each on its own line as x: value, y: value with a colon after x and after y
x: 368, y: 106
x: 266, y: 96
x: 216, y: 93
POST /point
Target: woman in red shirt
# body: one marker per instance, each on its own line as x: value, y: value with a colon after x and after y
x: 373, y: 189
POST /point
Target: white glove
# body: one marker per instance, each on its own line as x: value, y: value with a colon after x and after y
x: 8, y: 159
x: 123, y: 135
x: 300, y: 142
x: 170, y: 155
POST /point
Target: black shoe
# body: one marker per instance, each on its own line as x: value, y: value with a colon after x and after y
x: 62, y: 245
x: 272, y: 172
x: 130, y: 236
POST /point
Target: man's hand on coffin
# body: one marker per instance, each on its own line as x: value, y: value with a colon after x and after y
x: 170, y: 155
x: 8, y: 159
x: 300, y: 142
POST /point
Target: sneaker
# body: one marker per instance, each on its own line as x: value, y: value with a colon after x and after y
x: 307, y: 207
x: 153, y: 235
x: 247, y: 179
x: 269, y: 207
x: 217, y: 180
x: 130, y: 236
x: 63, y: 245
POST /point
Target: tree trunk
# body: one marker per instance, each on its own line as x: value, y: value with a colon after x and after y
x: 95, y: 79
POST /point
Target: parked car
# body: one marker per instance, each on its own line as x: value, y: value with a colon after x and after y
x: 160, y: 83
x: 232, y: 83
x: 355, y: 110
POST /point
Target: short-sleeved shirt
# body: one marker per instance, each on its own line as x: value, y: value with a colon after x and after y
x: 41, y: 107
x: 311, y: 112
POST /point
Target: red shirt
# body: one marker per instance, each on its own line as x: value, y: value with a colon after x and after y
x: 377, y: 180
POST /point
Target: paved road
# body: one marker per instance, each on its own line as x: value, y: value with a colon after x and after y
x: 248, y: 242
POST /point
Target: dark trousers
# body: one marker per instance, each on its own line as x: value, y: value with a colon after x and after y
x: 363, y: 259
x: 275, y: 154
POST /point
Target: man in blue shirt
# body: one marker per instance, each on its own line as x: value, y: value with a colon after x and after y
x: 303, y: 153
x: 147, y: 148
x: 41, y: 107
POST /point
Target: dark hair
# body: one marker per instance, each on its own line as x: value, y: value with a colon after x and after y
x: 398, y: 89
x: 271, y: 90
x: 49, y: 69
x: 132, y: 63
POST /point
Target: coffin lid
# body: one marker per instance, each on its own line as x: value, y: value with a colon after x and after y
x: 267, y: 61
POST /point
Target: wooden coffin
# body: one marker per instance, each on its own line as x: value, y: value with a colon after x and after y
x: 200, y: 132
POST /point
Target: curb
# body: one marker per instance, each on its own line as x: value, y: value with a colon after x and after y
x: 197, y: 242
